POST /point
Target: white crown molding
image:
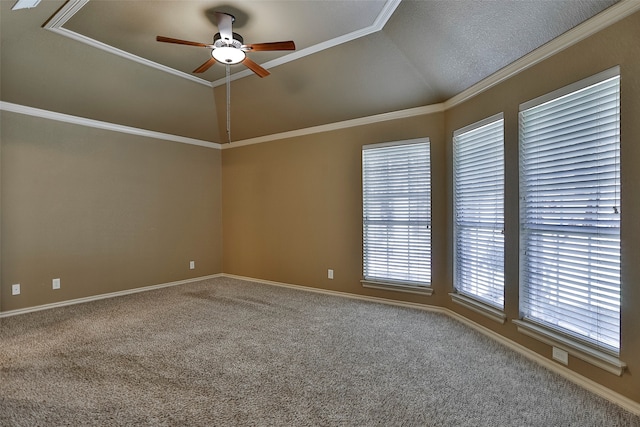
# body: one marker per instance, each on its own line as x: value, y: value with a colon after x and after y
x: 107, y: 48
x: 580, y: 32
x: 606, y: 18
x: 602, y: 20
x: 65, y: 13
x: 66, y: 118
x: 55, y: 24
x: 382, y: 18
x: 599, y: 22
x: 394, y: 115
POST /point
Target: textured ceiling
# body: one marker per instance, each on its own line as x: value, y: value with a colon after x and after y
x: 354, y: 58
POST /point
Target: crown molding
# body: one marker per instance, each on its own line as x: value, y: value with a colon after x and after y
x: 394, y: 115
x: 97, y: 124
x: 382, y: 18
x: 65, y: 13
x: 140, y: 60
x: 599, y: 22
x: 67, y: 118
x: 580, y: 32
x: 55, y: 24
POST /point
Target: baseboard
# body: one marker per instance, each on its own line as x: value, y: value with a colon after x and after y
x: 103, y: 296
x: 340, y: 294
x: 584, y: 382
x: 604, y: 392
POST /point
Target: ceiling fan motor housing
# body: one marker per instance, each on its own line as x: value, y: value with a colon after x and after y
x: 228, y: 48
x: 237, y: 41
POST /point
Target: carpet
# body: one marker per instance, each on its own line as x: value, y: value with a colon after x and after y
x: 226, y: 352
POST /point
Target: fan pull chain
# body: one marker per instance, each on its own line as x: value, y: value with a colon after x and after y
x: 228, y: 67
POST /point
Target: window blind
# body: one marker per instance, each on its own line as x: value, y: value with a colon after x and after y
x: 396, y: 182
x: 478, y: 152
x: 570, y: 210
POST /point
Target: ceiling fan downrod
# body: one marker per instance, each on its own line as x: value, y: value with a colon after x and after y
x: 228, y: 72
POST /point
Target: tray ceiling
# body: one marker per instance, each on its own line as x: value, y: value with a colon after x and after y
x: 354, y: 59
x: 129, y: 29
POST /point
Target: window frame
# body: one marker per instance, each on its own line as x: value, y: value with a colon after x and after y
x: 592, y: 350
x: 378, y: 281
x: 491, y: 306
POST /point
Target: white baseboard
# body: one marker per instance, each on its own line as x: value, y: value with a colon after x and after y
x: 584, y: 382
x: 340, y: 294
x: 594, y: 387
x: 598, y: 389
x: 103, y: 296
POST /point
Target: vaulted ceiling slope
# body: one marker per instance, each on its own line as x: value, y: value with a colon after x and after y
x: 99, y: 59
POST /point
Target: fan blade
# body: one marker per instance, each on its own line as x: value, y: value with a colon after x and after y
x: 257, y: 47
x: 178, y: 41
x: 225, y: 22
x: 261, y: 72
x: 204, y: 67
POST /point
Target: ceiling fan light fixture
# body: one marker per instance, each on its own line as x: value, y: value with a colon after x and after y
x: 228, y: 55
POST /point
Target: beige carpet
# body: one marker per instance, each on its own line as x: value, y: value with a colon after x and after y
x: 225, y: 352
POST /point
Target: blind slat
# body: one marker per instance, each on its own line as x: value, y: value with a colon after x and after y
x: 396, y: 190
x: 478, y: 212
x: 569, y: 213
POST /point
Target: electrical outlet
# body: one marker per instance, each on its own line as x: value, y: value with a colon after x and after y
x: 192, y: 265
x: 560, y: 355
x: 330, y: 274
x: 55, y: 283
x: 15, y: 289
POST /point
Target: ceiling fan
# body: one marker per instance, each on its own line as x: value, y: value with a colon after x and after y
x: 228, y: 48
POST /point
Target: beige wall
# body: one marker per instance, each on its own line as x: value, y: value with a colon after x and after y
x: 292, y: 208
x: 617, y: 45
x: 45, y: 70
x: 103, y: 211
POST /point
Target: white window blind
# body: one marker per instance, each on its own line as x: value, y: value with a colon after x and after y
x: 478, y: 152
x: 396, y: 182
x: 570, y: 210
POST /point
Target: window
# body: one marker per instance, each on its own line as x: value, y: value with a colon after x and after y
x: 478, y: 161
x: 396, y: 194
x: 570, y: 210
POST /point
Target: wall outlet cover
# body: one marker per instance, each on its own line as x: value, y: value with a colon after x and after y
x: 15, y: 289
x: 560, y: 355
x: 55, y: 283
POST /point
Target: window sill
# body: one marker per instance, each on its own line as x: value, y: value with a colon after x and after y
x: 479, y: 307
x: 575, y: 348
x: 397, y: 287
